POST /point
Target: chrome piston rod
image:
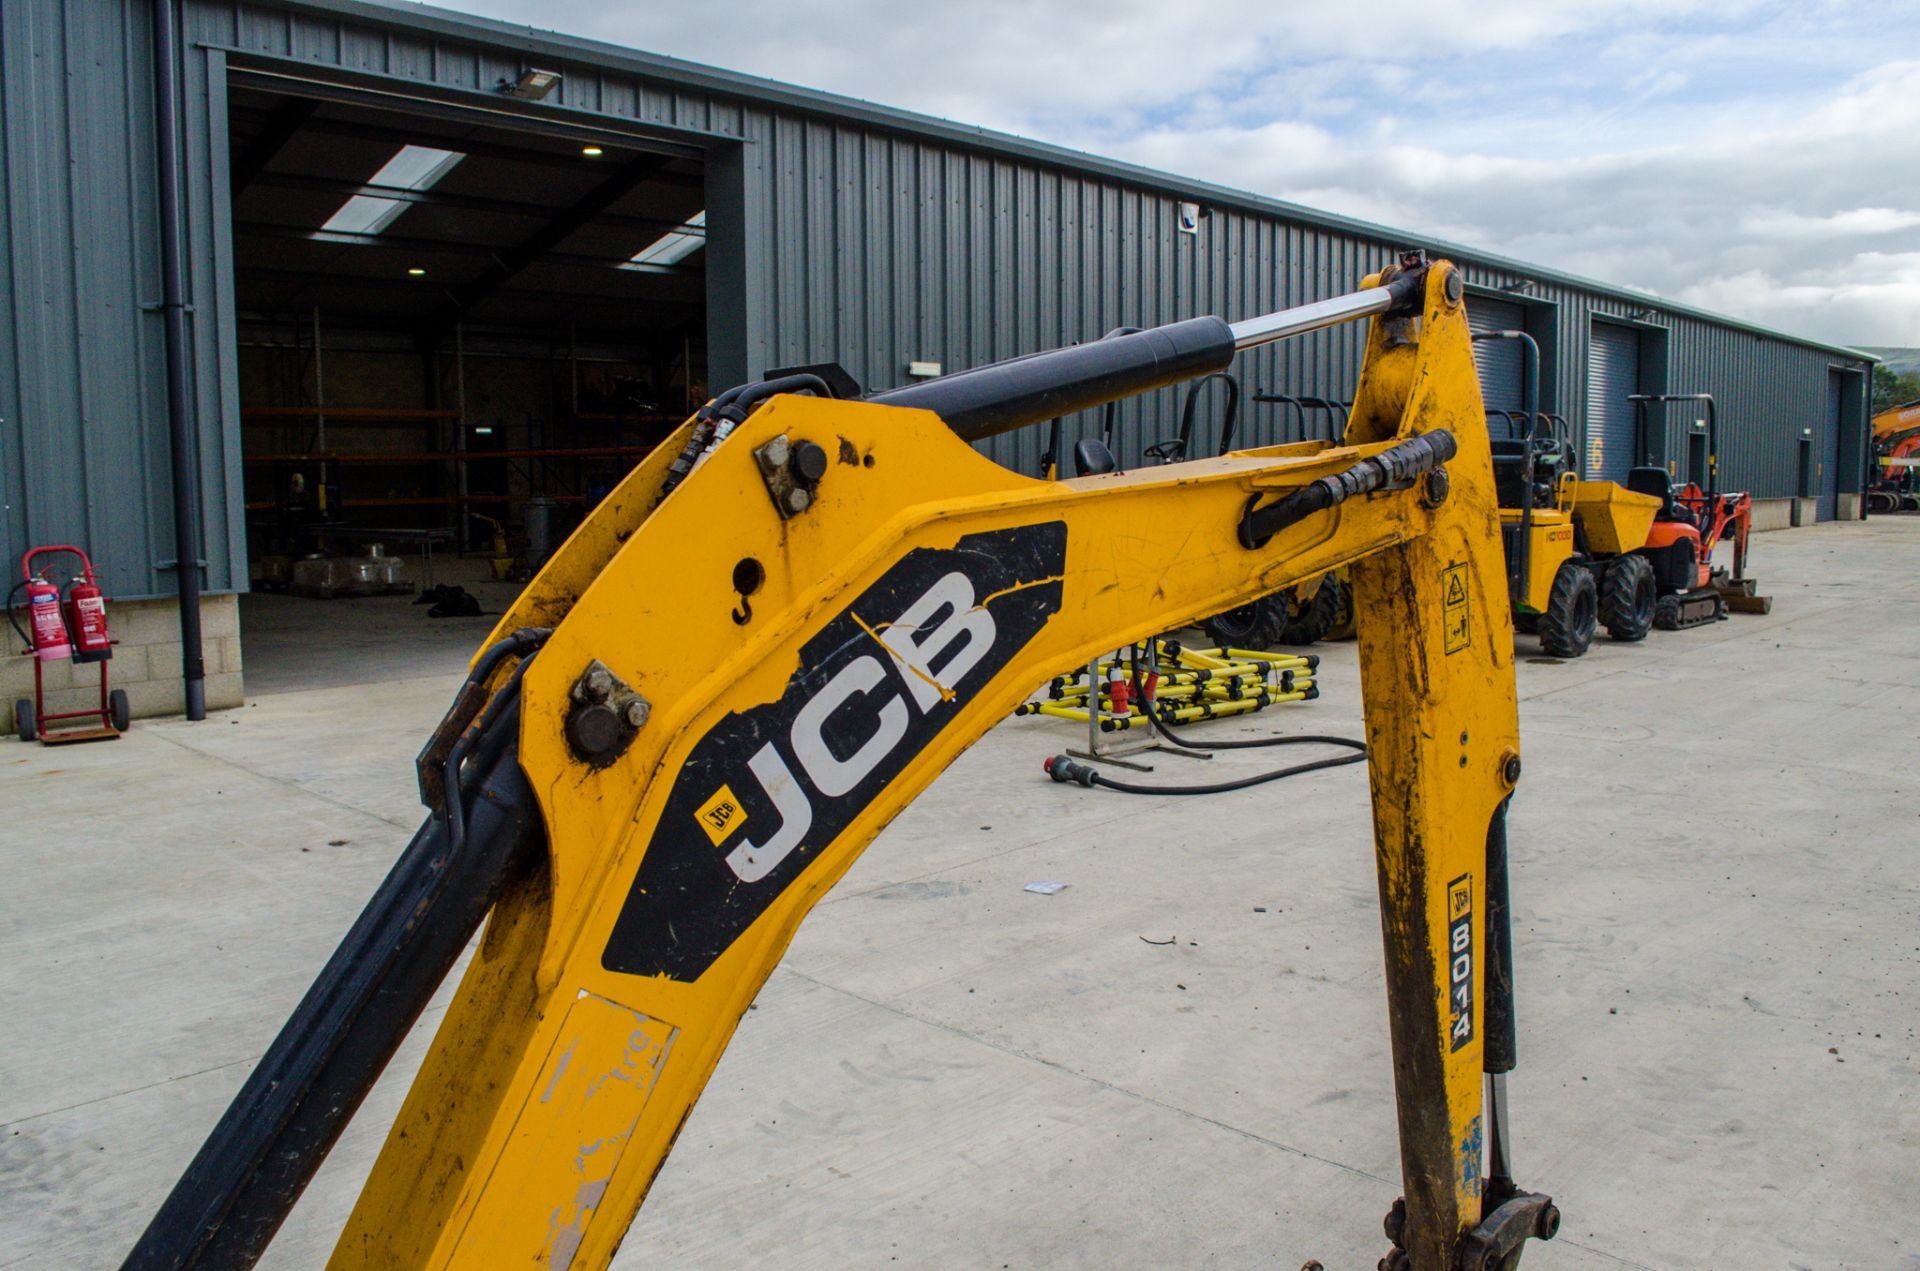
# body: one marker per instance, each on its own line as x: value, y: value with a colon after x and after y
x: 1251, y: 333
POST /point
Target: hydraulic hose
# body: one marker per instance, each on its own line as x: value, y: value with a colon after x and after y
x: 26, y: 641
x: 717, y: 419
x: 1063, y: 769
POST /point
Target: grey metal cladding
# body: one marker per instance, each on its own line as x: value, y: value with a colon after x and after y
x: 873, y: 236
x: 891, y: 237
x: 83, y: 446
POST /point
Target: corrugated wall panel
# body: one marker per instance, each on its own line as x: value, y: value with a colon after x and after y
x: 84, y: 446
x: 875, y: 240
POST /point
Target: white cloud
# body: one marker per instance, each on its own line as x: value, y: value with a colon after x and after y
x: 1780, y: 223
x: 1750, y: 157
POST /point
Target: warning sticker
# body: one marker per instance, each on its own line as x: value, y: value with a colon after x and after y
x: 720, y: 815
x: 1459, y: 629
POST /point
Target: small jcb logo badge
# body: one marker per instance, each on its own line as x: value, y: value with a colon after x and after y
x: 720, y: 815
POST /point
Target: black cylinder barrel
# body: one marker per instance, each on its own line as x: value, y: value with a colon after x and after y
x: 1002, y: 396
x: 1502, y: 1040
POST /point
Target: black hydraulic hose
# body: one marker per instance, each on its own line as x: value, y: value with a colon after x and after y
x: 1063, y: 769
x: 25, y: 639
x: 1393, y: 467
x: 743, y: 403
x: 714, y: 421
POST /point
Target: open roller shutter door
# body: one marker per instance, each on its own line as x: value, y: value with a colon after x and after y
x: 1613, y: 374
x: 1828, y: 509
x: 1501, y: 363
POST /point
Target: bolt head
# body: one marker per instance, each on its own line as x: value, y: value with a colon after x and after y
x: 597, y: 685
x: 776, y: 452
x: 798, y: 501
x: 1438, y: 485
x: 809, y: 462
x: 636, y: 713
x: 595, y: 733
x: 1510, y: 771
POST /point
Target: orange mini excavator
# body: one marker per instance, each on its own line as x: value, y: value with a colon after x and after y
x: 1691, y: 522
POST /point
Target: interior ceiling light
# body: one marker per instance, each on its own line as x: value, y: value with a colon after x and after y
x: 416, y: 271
x: 672, y: 247
x: 592, y: 152
x: 532, y: 85
x: 411, y: 168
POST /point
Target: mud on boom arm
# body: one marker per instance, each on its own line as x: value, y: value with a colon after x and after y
x: 707, y: 705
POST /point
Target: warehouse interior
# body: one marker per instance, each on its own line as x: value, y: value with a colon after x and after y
x: 454, y: 336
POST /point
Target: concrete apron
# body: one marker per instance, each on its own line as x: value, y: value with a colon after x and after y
x: 1716, y: 972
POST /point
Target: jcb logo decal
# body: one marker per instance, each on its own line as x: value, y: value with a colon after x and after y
x: 875, y: 686
x: 1460, y: 959
x: 720, y: 815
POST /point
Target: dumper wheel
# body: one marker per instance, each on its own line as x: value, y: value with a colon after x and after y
x: 1572, y: 614
x: 1314, y: 619
x: 1249, y: 626
x: 119, y: 710
x: 1627, y: 599
x: 1342, y: 628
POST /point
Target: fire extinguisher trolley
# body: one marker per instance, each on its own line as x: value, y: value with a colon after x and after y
x: 57, y: 630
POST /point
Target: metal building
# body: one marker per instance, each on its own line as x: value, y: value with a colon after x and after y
x: 424, y: 240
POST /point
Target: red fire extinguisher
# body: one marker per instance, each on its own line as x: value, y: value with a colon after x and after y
x: 56, y: 630
x: 87, y: 618
x: 45, y: 621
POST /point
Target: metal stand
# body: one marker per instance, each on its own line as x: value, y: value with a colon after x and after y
x: 1111, y: 752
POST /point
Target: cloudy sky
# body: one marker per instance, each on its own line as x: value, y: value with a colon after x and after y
x: 1760, y: 159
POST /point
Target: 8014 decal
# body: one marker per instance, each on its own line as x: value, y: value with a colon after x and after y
x: 1460, y: 960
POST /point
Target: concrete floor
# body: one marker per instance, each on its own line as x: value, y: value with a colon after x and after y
x: 1718, y: 969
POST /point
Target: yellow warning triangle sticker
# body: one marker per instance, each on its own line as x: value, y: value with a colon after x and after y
x: 1456, y: 590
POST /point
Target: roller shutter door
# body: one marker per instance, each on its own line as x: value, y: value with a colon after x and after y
x: 1613, y: 374
x: 1828, y: 509
x: 1501, y: 363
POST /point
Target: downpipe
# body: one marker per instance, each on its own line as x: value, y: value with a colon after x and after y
x: 173, y: 310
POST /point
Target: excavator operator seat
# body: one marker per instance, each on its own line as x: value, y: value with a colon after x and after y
x: 1092, y: 458
x: 1659, y: 484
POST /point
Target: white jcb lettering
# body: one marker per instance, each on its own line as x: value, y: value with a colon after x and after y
x: 960, y: 640
x: 917, y: 650
x: 754, y: 861
x: 834, y: 777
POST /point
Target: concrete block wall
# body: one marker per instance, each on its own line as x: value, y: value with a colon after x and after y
x: 146, y: 661
x: 1778, y: 514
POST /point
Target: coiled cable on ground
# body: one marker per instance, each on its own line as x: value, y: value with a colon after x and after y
x: 1064, y: 769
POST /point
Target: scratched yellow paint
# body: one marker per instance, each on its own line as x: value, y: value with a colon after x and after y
x: 482, y: 1171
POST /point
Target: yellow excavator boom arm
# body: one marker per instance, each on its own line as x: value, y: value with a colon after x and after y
x: 716, y: 700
